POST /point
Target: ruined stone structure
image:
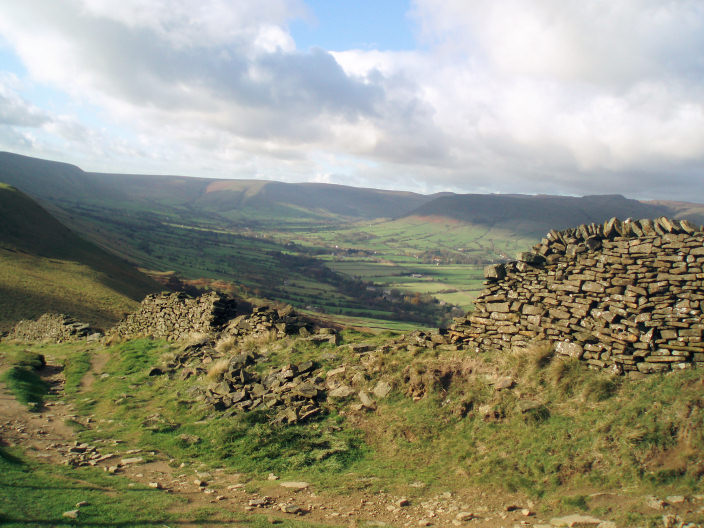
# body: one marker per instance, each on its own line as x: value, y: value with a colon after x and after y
x: 57, y: 328
x: 622, y: 295
x: 176, y: 316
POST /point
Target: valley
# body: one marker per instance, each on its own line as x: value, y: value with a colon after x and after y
x: 336, y: 372
x: 383, y: 259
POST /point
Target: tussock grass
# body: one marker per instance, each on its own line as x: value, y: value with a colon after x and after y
x: 258, y: 343
x: 195, y: 339
x: 226, y: 345
x: 218, y: 369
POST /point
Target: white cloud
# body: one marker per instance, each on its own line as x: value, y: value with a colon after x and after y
x: 553, y: 96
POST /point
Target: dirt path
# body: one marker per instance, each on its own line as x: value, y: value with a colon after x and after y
x: 97, y: 363
x: 44, y: 435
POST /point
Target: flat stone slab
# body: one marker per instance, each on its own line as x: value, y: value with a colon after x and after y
x: 133, y: 460
x: 581, y: 521
x: 295, y: 485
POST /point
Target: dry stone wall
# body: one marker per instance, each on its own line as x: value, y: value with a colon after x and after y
x: 628, y: 296
x: 176, y: 316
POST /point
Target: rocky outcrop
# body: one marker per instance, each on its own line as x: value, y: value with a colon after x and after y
x: 622, y: 295
x: 57, y: 328
x: 176, y: 316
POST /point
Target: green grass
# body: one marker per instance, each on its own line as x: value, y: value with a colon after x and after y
x: 37, y: 494
x: 33, y: 493
x: 75, y: 367
x: 561, y: 433
x: 26, y: 385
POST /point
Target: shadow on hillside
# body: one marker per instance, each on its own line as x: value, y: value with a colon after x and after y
x: 18, y: 303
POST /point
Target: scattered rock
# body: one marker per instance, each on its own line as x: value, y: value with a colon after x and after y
x: 382, y: 389
x: 366, y: 400
x: 675, y: 499
x: 132, y: 460
x: 190, y: 439
x: 293, y: 509
x: 504, y: 383
x: 655, y: 503
x: 341, y: 392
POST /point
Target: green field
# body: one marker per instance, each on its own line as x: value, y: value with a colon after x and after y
x: 441, y: 258
x: 268, y: 264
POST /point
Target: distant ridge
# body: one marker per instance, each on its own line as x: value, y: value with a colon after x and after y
x: 63, y: 184
x: 536, y: 214
x: 245, y: 202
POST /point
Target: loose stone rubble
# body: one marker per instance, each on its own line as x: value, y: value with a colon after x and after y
x: 294, y: 389
x: 58, y: 328
x: 628, y: 296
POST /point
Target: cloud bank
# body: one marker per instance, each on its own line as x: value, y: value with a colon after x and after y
x: 538, y: 96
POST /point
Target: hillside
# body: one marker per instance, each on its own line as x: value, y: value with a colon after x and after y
x: 692, y: 211
x: 535, y: 215
x: 46, y: 267
x: 248, y: 202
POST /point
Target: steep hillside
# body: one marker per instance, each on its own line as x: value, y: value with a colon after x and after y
x: 45, y: 267
x: 536, y: 215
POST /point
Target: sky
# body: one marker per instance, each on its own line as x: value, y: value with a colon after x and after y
x: 482, y: 96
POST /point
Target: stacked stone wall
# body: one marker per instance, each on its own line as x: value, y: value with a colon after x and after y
x: 622, y: 295
x: 176, y: 316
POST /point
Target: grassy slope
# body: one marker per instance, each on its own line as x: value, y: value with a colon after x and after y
x: 692, y: 211
x: 34, y: 493
x: 562, y: 431
x: 46, y: 267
